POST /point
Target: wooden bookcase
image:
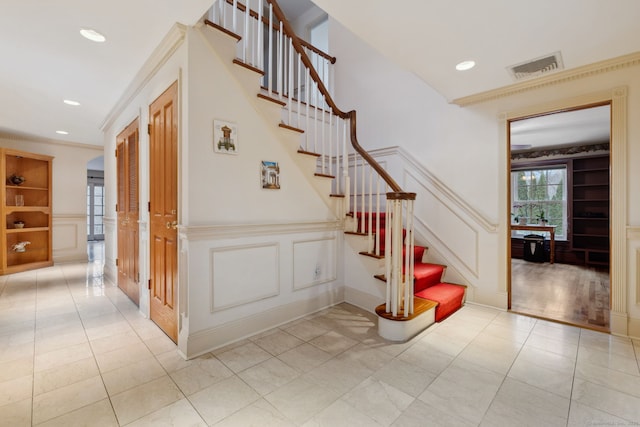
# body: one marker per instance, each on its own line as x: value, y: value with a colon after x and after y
x: 590, y: 209
x: 34, y: 211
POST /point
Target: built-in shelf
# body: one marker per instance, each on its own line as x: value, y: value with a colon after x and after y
x: 29, y: 203
x: 590, y: 209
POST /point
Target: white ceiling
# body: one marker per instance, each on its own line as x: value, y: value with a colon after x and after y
x: 44, y: 59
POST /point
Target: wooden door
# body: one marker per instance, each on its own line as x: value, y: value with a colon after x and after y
x: 127, y: 212
x: 163, y: 177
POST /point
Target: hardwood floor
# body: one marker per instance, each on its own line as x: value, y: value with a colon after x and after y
x: 566, y: 293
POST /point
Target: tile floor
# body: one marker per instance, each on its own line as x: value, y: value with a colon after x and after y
x: 75, y: 351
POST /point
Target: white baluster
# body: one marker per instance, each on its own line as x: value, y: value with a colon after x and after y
x: 371, y: 231
x: 270, y: 51
x: 290, y: 76
x: 307, y: 93
x: 234, y: 15
x: 315, y: 116
x: 378, y: 216
x: 299, y: 88
x: 260, y: 48
x: 280, y: 59
x: 387, y: 258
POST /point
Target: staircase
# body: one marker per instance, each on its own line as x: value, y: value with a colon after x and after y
x: 264, y: 48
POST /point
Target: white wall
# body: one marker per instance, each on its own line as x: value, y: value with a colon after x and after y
x: 253, y: 258
x: 465, y: 150
x: 249, y: 258
x: 69, y: 193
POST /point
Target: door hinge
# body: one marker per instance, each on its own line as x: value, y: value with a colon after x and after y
x: 149, y: 129
x: 116, y: 150
x: 148, y: 206
x: 138, y: 277
x: 116, y: 262
x: 149, y: 283
x: 116, y: 207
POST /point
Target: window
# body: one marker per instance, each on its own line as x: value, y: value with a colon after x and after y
x: 540, y: 193
x: 95, y: 208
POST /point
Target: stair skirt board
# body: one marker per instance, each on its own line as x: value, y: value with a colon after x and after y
x: 400, y: 329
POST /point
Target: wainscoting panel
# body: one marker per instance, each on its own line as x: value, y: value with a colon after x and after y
x: 69, y: 237
x: 446, y: 225
x: 243, y: 274
x: 314, y: 262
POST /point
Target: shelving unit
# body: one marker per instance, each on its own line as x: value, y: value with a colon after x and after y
x: 34, y: 211
x: 590, y: 219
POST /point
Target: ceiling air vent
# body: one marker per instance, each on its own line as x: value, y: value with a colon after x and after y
x: 537, y: 67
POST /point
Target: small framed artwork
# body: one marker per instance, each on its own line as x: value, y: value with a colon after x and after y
x: 225, y: 137
x: 270, y: 175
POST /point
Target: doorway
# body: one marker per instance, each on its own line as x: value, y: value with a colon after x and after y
x: 559, y: 165
x: 95, y: 199
x: 127, y: 211
x: 163, y: 210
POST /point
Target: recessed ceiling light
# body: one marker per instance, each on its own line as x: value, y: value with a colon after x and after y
x: 465, y: 65
x: 62, y: 132
x: 71, y: 102
x: 92, y: 35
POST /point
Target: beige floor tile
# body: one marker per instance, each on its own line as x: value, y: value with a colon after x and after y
x: 200, y: 374
x: 304, y: 357
x: 518, y: 403
x: 306, y: 330
x: 133, y: 375
x: 15, y: 352
x: 60, y: 341
x: 66, y: 399
x: 609, y: 378
x: 420, y: 414
x: 16, y: 389
x: 333, y: 343
x: 269, y: 375
x: 339, y: 375
x: 63, y: 375
x: 122, y: 357
x: 222, y: 399
x: 62, y: 356
x: 114, y: 342
x: 243, y: 357
x: 16, y: 369
x: 277, y: 342
x: 463, y: 389
x: 378, y: 400
x: 160, y: 344
x: 550, y: 380
x: 96, y: 414
x: 407, y: 378
x: 171, y: 361
x: 260, y: 413
x: 582, y: 415
x: 145, y: 399
x: 301, y: 399
x: 180, y: 413
x: 16, y: 414
x: 341, y: 414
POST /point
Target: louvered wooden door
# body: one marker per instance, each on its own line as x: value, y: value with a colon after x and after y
x: 163, y: 176
x: 127, y: 209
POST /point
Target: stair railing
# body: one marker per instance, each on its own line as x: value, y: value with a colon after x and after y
x: 290, y: 67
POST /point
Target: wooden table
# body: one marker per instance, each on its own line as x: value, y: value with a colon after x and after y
x: 551, y: 229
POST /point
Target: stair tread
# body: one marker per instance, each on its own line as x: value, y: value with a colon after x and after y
x: 420, y: 305
x: 238, y: 37
x: 241, y: 63
x: 270, y: 99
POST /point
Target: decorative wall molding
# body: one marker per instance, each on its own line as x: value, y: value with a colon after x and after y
x: 302, y: 269
x: 243, y: 274
x: 601, y: 67
x: 69, y: 237
x: 162, y: 53
x: 474, y: 238
x: 445, y: 192
x: 225, y: 231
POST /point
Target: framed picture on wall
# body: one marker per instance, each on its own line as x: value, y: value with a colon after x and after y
x: 225, y: 137
x: 270, y: 175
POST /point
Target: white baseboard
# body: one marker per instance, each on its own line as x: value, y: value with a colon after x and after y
x: 361, y: 299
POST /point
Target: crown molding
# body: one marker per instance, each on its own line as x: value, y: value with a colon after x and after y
x: 601, y: 67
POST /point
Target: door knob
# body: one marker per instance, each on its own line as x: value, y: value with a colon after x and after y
x: 172, y: 225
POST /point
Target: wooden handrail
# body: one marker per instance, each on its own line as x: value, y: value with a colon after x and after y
x: 304, y: 43
x: 288, y: 29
